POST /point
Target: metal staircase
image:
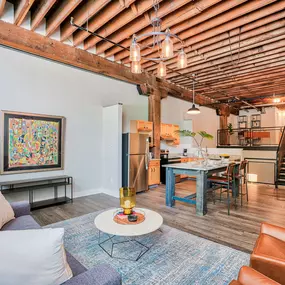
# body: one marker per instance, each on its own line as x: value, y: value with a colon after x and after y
x: 280, y: 162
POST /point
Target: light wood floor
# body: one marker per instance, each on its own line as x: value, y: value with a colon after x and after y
x: 239, y: 230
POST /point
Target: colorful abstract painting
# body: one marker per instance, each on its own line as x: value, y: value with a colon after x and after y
x: 31, y: 142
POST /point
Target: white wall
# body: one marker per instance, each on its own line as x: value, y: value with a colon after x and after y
x: 267, y: 120
x: 35, y: 85
x: 174, y: 111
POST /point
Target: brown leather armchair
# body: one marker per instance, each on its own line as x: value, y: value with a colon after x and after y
x: 249, y: 276
x: 268, y: 256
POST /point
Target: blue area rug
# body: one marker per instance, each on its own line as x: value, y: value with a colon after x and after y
x: 176, y: 257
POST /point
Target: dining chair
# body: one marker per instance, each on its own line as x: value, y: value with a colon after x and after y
x: 242, y: 176
x: 224, y: 183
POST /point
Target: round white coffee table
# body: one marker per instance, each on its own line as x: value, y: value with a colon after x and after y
x: 105, y: 223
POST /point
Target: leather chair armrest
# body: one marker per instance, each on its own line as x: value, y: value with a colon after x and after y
x: 275, y: 231
x: 273, y: 268
x: 21, y: 208
x: 249, y: 276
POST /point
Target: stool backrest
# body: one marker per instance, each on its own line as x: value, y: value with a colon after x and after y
x: 230, y: 169
x: 243, y: 165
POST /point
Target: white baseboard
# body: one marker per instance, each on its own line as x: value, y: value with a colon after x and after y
x: 86, y: 192
x: 114, y: 193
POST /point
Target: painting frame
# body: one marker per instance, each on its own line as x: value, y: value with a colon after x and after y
x: 5, y: 116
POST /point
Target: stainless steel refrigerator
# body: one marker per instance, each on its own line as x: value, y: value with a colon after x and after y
x: 135, y: 161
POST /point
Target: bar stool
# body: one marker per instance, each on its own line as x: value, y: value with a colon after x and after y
x: 224, y: 182
x: 242, y: 176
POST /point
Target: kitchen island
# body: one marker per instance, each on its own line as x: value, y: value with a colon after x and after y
x: 201, y: 173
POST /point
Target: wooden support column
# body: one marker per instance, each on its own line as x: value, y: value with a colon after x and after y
x: 154, y: 115
x: 224, y: 112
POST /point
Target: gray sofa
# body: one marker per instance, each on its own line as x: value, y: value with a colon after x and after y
x: 99, y: 275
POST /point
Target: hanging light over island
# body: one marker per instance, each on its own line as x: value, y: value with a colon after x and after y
x: 193, y: 110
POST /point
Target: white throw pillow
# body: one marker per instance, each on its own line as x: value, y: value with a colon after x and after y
x: 6, y: 211
x: 33, y: 257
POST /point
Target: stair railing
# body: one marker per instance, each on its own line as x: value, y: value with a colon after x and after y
x: 279, y: 156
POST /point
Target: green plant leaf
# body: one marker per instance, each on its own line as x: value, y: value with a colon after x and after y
x: 185, y: 133
x: 205, y: 135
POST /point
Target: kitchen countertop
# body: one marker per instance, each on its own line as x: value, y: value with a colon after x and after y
x: 192, y: 166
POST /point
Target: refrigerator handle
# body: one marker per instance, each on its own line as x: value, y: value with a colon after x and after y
x: 147, y: 154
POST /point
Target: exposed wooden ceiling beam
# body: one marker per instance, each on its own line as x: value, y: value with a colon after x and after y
x: 63, y: 11
x: 21, y: 10
x: 41, y: 11
x: 191, y: 12
x: 219, y: 24
x: 2, y: 6
x: 263, y: 77
x: 142, y: 22
x: 255, y: 50
x: 101, y: 18
x: 118, y: 22
x: 233, y: 44
x: 30, y: 42
x: 81, y: 16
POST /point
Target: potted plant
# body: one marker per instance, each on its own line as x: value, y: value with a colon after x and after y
x: 203, y: 135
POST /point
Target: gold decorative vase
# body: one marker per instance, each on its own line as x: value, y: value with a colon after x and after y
x: 127, y: 199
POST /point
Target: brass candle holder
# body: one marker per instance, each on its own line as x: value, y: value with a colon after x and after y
x: 127, y: 199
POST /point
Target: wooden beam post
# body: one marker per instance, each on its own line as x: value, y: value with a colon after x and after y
x: 154, y: 115
x: 224, y: 111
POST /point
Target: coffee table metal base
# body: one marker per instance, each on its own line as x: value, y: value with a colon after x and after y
x: 128, y: 240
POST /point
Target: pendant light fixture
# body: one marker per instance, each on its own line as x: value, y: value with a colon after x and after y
x: 161, y: 43
x: 136, y: 67
x: 182, y: 59
x: 135, y: 51
x: 161, y: 69
x: 193, y: 110
x: 167, y: 46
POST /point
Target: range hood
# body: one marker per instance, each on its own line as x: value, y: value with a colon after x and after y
x: 167, y: 138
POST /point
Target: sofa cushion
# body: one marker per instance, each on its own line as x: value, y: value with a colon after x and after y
x: 37, y: 255
x: 6, y: 211
x: 99, y: 275
x: 76, y: 267
x: 22, y: 223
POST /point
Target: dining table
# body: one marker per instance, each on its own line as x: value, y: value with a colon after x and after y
x: 201, y: 173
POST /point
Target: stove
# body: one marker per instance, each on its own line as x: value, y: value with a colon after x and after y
x: 167, y: 158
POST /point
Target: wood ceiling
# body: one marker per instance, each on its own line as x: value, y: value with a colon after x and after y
x: 236, y: 48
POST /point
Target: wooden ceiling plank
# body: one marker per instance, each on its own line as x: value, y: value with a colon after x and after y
x: 265, y: 32
x: 217, y: 25
x: 256, y: 49
x: 33, y: 43
x: 232, y: 69
x: 142, y: 22
x: 101, y: 18
x: 21, y: 10
x: 63, y: 11
x: 81, y: 16
x: 118, y: 22
x: 179, y: 20
x: 41, y: 11
x: 248, y: 81
x: 250, y: 75
x: 241, y: 66
x: 2, y: 6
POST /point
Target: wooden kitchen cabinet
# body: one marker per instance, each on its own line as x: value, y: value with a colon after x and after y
x: 142, y: 127
x: 176, y: 135
x: 154, y: 172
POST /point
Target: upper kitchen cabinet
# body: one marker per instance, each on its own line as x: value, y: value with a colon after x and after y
x: 176, y: 135
x: 142, y: 127
x: 169, y: 134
